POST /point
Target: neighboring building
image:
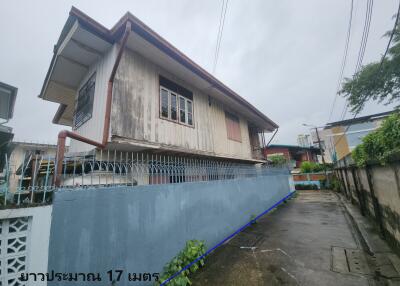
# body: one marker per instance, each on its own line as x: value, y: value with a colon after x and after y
x: 24, y: 156
x: 162, y: 102
x: 8, y: 95
x: 342, y: 137
x: 303, y: 140
x: 326, y: 144
x: 293, y: 154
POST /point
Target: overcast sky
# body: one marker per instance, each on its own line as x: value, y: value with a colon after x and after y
x: 283, y: 56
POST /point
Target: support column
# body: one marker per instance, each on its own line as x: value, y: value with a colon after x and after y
x: 375, y: 202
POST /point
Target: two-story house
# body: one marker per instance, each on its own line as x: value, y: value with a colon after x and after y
x: 128, y: 88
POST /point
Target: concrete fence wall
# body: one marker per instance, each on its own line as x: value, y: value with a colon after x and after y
x: 24, y: 243
x: 376, y: 189
x: 139, y: 229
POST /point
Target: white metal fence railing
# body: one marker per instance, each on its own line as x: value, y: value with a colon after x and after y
x: 32, y: 181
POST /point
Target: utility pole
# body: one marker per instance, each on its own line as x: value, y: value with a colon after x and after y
x: 321, y: 150
x: 320, y: 147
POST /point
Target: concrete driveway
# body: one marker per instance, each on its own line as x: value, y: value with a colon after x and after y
x: 308, y: 241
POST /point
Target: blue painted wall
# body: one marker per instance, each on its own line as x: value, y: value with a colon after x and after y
x: 139, y: 229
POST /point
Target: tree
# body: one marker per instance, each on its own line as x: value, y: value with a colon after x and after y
x: 380, y: 146
x: 277, y: 160
x: 310, y: 167
x: 378, y: 81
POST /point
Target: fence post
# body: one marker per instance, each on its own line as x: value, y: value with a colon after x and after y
x: 348, y: 182
x: 340, y: 172
x: 358, y: 191
x: 395, y: 170
x: 375, y: 202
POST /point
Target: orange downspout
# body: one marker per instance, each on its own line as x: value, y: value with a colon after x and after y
x: 62, y: 136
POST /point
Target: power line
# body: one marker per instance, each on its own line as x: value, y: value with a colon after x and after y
x: 368, y: 14
x: 220, y: 31
x: 361, y: 51
x: 380, y: 66
x: 344, y: 59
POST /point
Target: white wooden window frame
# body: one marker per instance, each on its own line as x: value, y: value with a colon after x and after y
x: 161, y: 102
x: 170, y: 94
x: 187, y: 111
x: 178, y: 107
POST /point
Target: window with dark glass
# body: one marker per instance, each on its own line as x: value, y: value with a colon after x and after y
x: 84, y: 102
x: 164, y: 102
x: 182, y: 109
x: 174, y: 107
x: 189, y: 112
x: 176, y: 102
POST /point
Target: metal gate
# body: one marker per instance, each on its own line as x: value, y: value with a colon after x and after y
x: 14, y: 249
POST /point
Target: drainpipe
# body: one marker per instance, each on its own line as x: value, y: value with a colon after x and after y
x: 62, y: 136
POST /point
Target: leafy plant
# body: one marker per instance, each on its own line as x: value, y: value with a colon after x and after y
x: 193, y: 250
x: 253, y: 219
x: 381, y: 145
x: 335, y: 184
x: 277, y: 160
x: 306, y: 187
x: 311, y: 167
x: 377, y: 81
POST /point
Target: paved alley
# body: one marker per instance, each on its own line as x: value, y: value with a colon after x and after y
x: 310, y: 240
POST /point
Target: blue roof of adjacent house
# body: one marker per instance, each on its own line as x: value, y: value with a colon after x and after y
x: 295, y: 147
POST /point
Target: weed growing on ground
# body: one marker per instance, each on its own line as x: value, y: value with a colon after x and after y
x: 193, y: 250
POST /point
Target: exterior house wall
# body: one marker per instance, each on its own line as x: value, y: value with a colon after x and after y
x: 17, y: 157
x: 340, y: 142
x: 135, y: 114
x: 290, y: 155
x: 93, y: 128
x: 343, y: 145
x: 278, y: 151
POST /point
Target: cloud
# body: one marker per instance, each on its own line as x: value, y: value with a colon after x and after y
x: 282, y: 56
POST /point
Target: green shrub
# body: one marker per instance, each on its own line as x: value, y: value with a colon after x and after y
x: 335, y: 184
x: 311, y: 167
x: 359, y: 156
x: 193, y: 249
x: 306, y: 187
x: 381, y: 145
x: 323, y: 183
x: 277, y: 160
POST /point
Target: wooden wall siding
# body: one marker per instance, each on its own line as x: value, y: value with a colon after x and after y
x: 135, y: 113
x: 93, y: 128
